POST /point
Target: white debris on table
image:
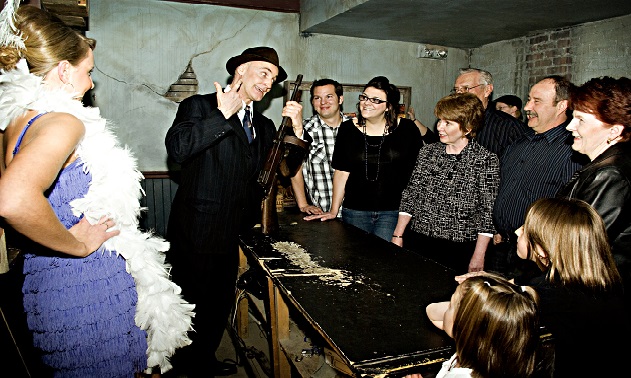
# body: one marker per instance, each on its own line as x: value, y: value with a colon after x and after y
x: 298, y: 256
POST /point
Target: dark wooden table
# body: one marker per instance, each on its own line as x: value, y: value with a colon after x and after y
x: 366, y: 297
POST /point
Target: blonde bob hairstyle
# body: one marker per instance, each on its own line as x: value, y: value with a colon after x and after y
x: 572, y: 237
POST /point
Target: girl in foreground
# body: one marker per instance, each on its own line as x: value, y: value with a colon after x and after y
x: 495, y: 327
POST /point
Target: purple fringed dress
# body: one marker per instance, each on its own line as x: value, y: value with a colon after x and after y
x: 81, y: 310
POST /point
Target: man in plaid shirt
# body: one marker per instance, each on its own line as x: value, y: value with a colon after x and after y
x: 313, y: 184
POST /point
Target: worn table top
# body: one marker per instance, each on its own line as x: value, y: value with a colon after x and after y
x: 366, y: 296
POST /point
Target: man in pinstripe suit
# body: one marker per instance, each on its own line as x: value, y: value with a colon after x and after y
x: 535, y: 166
x: 221, y: 143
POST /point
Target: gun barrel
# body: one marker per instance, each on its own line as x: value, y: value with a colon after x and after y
x: 267, y: 176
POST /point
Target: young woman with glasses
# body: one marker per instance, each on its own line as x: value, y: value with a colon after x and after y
x: 373, y: 159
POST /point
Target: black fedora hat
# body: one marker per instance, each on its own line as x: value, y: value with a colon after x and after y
x: 265, y: 54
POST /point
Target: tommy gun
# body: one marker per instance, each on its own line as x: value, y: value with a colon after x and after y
x: 285, y: 157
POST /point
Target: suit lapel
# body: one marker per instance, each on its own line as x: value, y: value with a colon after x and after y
x: 258, y: 130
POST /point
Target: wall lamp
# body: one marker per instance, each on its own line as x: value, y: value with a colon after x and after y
x: 431, y: 52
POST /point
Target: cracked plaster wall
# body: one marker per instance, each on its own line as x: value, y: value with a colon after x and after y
x: 144, y: 46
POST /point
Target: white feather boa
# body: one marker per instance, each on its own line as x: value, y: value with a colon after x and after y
x: 115, y: 190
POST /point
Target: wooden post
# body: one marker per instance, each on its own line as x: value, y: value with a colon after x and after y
x: 279, y: 324
x: 242, y: 320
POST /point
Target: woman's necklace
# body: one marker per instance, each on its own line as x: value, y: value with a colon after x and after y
x: 366, y: 144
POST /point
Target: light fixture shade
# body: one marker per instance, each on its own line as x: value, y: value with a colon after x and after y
x: 431, y: 52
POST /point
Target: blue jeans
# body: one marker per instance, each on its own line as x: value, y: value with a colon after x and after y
x: 380, y: 223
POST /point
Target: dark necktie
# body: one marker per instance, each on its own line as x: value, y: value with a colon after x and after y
x: 247, y: 124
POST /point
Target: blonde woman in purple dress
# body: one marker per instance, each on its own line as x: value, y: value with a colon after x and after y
x: 97, y: 296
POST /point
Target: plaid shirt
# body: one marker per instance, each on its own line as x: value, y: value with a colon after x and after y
x: 317, y: 170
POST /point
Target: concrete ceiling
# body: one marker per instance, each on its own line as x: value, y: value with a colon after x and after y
x: 460, y: 23
x: 450, y: 23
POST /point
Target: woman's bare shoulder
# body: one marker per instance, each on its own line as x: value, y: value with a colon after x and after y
x: 53, y: 130
x: 58, y: 123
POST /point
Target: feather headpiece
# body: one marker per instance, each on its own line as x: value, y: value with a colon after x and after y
x: 9, y: 35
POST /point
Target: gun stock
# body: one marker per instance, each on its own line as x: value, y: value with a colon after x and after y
x: 286, y: 146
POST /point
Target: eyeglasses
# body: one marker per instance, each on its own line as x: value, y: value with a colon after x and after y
x: 374, y: 100
x: 464, y: 89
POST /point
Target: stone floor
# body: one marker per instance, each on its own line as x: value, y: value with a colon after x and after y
x: 252, y: 359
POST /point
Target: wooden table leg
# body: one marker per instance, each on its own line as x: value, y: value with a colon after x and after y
x: 279, y: 323
x: 242, y: 316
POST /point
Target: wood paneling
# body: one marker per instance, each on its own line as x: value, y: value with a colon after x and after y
x: 159, y: 192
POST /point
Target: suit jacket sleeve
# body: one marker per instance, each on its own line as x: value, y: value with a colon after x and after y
x: 198, y: 125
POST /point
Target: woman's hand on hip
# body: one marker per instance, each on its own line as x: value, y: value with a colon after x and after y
x: 93, y: 235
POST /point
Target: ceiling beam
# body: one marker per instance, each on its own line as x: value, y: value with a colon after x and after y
x: 65, y: 7
x: 287, y: 6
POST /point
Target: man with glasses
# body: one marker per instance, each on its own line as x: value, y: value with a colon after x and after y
x: 499, y: 129
x: 313, y: 184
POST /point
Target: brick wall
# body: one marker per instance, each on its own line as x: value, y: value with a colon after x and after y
x: 579, y: 53
x: 548, y: 54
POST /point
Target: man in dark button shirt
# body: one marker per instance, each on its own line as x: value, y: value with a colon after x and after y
x: 500, y: 129
x: 535, y: 166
